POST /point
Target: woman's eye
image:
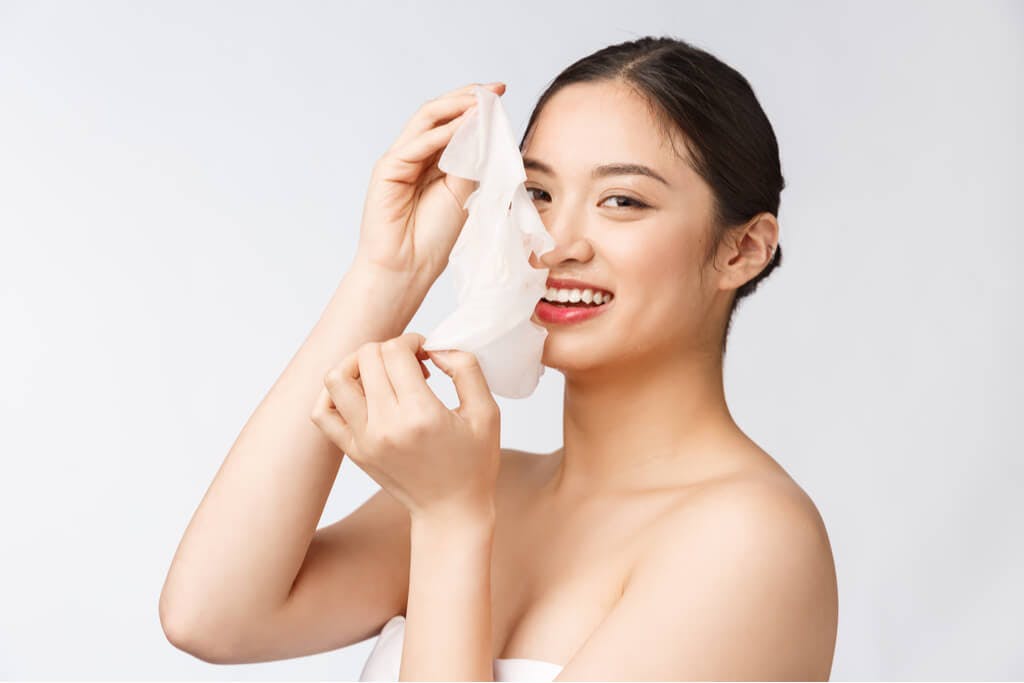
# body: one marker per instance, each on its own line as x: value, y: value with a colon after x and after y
x: 531, y: 190
x: 636, y: 203
x: 625, y: 202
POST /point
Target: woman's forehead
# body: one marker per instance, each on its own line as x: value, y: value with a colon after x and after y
x: 584, y: 125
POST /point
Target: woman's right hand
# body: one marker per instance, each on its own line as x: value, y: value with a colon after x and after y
x: 413, y: 211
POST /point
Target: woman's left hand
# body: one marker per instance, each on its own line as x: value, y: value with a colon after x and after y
x: 377, y: 408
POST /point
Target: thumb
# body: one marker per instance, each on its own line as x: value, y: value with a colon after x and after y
x: 468, y: 377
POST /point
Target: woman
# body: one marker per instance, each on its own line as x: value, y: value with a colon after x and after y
x: 659, y: 542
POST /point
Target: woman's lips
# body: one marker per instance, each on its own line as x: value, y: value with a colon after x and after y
x: 553, y: 313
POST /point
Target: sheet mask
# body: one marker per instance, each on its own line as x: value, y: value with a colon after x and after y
x: 496, y: 287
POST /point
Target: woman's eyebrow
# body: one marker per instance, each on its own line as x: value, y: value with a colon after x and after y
x: 601, y: 171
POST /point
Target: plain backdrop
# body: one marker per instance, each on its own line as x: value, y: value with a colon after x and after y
x: 181, y: 185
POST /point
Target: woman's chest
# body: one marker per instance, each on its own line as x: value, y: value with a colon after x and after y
x: 555, y: 577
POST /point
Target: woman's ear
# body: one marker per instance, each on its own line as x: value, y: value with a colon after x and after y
x: 747, y: 251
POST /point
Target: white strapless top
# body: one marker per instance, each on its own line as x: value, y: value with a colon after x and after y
x: 386, y: 659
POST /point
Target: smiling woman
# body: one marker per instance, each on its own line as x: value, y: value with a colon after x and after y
x: 659, y: 542
x: 722, y: 146
x: 657, y: 173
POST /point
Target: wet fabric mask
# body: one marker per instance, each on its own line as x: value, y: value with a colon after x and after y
x: 496, y: 287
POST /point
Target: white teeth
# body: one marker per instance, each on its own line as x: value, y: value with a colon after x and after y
x: 587, y: 296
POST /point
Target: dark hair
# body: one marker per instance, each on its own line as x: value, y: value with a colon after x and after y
x: 731, y: 144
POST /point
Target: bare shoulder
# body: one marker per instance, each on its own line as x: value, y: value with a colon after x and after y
x: 763, y: 508
x: 756, y: 548
x: 762, y: 505
x: 765, y: 501
x: 735, y: 583
x: 755, y: 494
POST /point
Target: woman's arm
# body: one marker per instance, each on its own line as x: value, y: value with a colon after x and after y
x: 737, y: 584
x: 246, y: 583
x: 240, y: 554
x: 443, y: 466
x: 448, y: 625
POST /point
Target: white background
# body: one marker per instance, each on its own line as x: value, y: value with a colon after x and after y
x: 180, y: 192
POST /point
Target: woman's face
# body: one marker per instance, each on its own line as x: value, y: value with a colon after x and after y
x: 640, y: 238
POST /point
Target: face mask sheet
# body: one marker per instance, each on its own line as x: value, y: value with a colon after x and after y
x: 496, y: 287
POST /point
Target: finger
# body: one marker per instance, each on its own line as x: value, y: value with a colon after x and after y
x: 404, y: 369
x: 497, y: 86
x: 441, y: 109
x: 331, y: 423
x: 380, y: 396
x: 470, y: 384
x: 424, y: 146
x: 345, y: 391
x: 416, y: 161
x: 431, y: 114
x: 421, y: 355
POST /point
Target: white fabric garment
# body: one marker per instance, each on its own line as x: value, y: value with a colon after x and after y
x: 496, y: 287
x: 385, y: 659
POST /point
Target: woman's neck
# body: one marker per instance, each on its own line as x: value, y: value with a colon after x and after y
x: 624, y: 425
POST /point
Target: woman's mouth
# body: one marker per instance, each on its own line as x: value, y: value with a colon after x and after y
x: 565, y: 312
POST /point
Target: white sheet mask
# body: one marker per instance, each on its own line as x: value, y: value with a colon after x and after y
x: 496, y: 287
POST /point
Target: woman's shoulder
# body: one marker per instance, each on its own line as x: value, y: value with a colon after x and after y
x: 766, y: 515
x: 759, y: 496
x: 747, y: 545
x: 757, y: 489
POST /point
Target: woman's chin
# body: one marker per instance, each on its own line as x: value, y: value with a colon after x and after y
x: 565, y: 356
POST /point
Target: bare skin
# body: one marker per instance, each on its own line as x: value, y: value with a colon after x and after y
x: 253, y: 578
x: 560, y: 566
x: 654, y: 477
x: 659, y: 542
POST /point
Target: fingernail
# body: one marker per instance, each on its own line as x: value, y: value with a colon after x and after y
x: 441, y: 356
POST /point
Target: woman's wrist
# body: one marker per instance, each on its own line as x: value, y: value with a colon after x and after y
x: 418, y: 279
x: 389, y: 299
x: 461, y: 522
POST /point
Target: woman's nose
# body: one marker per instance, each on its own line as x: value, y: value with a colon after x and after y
x: 571, y: 248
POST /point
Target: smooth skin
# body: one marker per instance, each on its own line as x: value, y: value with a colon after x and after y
x: 377, y: 407
x: 704, y: 559
x: 659, y: 542
x: 253, y: 578
x: 442, y: 466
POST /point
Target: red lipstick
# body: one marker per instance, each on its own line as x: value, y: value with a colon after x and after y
x: 566, y: 313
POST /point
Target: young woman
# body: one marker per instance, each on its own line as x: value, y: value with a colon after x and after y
x: 659, y: 542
